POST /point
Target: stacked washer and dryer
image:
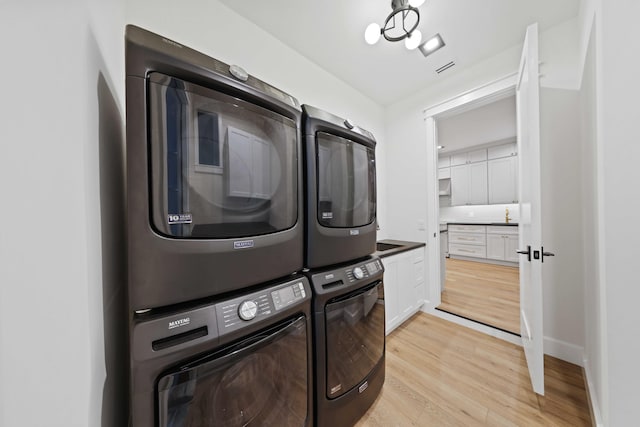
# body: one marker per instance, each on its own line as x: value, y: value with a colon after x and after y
x: 225, y: 328
x: 348, y: 293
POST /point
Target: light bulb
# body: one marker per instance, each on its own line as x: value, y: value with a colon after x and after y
x: 372, y: 33
x: 413, y: 41
x: 432, y: 44
x: 416, y: 3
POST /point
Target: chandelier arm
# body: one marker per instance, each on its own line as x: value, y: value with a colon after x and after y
x: 392, y: 17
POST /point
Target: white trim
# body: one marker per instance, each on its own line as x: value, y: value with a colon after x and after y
x: 594, y: 405
x: 488, y: 330
x: 559, y: 349
x: 489, y: 91
x: 564, y: 351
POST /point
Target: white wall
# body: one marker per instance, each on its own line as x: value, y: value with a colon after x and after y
x: 486, y: 124
x: 591, y: 247
x: 406, y: 149
x: 561, y: 181
x: 62, y: 318
x: 618, y: 68
x: 212, y: 28
x: 51, y: 302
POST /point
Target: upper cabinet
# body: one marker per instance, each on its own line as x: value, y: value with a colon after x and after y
x: 484, y: 176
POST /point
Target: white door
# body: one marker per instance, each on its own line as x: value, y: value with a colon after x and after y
x: 528, y: 118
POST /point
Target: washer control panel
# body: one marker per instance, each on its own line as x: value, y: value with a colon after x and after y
x: 284, y: 297
x: 248, y: 310
x: 235, y: 313
x: 363, y: 271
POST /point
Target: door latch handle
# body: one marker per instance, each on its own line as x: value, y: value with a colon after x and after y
x: 527, y: 253
x: 544, y: 254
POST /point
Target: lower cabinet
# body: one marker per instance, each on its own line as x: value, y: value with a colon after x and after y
x: 404, y: 286
x: 502, y: 243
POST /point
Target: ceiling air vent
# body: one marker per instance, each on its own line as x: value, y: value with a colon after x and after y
x: 445, y: 67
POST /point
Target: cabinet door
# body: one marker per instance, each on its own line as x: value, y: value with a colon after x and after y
x: 406, y: 284
x: 503, y: 180
x: 495, y: 246
x: 444, y: 162
x: 459, y: 159
x: 459, y: 185
x: 477, y: 156
x: 511, y: 248
x: 504, y: 150
x: 478, y: 184
x: 391, y: 292
x: 420, y: 291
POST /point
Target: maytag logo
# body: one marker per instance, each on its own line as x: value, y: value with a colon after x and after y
x: 354, y: 232
x: 180, y: 322
x: 243, y: 244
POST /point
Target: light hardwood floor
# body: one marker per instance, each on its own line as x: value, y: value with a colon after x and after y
x: 442, y: 374
x: 483, y: 292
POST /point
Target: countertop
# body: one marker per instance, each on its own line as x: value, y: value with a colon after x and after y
x: 404, y: 246
x: 510, y: 224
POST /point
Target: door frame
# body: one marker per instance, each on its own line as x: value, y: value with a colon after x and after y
x: 484, y: 94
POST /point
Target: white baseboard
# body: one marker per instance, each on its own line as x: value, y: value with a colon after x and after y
x: 564, y: 351
x: 594, y: 404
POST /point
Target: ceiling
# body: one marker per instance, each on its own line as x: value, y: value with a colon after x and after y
x: 330, y: 33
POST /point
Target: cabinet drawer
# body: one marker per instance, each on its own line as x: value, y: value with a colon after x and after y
x: 468, y: 250
x: 479, y: 229
x: 467, y: 238
x: 502, y: 229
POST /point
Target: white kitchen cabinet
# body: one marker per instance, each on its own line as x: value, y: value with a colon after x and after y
x: 468, y: 240
x: 504, y: 150
x: 444, y: 162
x: 404, y: 286
x: 511, y: 249
x: 468, y: 157
x: 469, y: 184
x: 478, y: 194
x: 502, y: 243
x: 503, y: 180
x: 444, y: 173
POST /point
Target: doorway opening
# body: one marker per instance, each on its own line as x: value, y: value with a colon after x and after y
x: 478, y: 213
x: 474, y: 146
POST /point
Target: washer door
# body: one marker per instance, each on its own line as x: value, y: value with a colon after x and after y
x: 260, y: 381
x: 355, y: 338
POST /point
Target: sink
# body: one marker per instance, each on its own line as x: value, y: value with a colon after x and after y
x: 386, y: 246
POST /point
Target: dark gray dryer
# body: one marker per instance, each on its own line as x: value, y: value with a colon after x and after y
x: 340, y: 175
x: 214, y: 176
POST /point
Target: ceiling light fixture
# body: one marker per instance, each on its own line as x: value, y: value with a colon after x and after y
x: 431, y: 45
x: 406, y: 12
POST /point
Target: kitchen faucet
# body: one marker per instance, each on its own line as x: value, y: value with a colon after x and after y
x: 506, y: 216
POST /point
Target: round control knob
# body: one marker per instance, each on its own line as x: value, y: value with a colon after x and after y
x: 358, y: 273
x: 248, y: 310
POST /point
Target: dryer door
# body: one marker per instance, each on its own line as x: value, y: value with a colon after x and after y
x: 259, y: 381
x: 355, y: 338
